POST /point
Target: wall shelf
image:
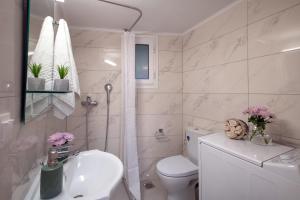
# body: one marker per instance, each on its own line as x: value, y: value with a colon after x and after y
x: 47, y: 92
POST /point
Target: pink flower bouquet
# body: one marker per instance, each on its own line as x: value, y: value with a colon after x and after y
x: 60, y: 138
x: 259, y: 116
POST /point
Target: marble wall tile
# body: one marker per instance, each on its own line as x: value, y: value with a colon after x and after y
x: 286, y: 109
x: 100, y: 109
x: 91, y: 49
x: 170, y: 61
x: 149, y: 147
x: 148, y: 103
x: 168, y: 82
x: 228, y: 78
x: 7, y: 75
x: 54, y: 124
x: 21, y: 145
x: 283, y: 67
x: 230, y: 20
x: 170, y: 43
x: 259, y: 9
x: 94, y: 58
x: 79, y: 109
x: 275, y: 34
x: 218, y: 107
x: 95, y: 38
x: 112, y: 147
x: 97, y: 126
x: 77, y: 126
x: 148, y: 125
x: 228, y: 48
x: 202, y: 123
x: 161, y: 108
x: 94, y: 81
x: 269, y: 69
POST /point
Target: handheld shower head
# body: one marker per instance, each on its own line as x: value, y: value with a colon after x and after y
x: 108, y: 88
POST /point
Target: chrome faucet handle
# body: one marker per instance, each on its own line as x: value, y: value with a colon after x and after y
x: 68, y: 153
x: 89, y: 102
x: 59, y: 148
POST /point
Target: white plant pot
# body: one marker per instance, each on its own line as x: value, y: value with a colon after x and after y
x: 61, y: 85
x: 36, y: 84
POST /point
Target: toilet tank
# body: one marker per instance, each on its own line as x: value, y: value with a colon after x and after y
x: 191, y: 142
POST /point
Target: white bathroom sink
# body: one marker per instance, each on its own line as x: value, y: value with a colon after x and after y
x: 92, y: 175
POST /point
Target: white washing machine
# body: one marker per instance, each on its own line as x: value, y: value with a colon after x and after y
x: 239, y: 170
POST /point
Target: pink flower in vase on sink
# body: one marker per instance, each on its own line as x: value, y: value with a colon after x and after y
x: 60, y: 138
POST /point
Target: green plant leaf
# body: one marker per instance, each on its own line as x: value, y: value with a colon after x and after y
x: 35, y: 69
x: 62, y: 71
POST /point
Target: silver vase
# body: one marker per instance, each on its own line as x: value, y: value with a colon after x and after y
x: 36, y: 84
x: 61, y: 85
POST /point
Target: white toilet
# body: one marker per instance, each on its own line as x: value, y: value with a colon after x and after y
x: 178, y: 174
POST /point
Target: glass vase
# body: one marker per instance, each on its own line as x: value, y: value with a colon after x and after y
x: 258, y: 136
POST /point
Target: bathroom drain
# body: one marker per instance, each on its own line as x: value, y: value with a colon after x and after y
x: 148, y: 185
x: 78, y: 196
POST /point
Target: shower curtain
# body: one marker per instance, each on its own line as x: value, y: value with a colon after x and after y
x: 130, y: 156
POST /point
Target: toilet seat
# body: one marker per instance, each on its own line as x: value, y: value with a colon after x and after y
x: 176, y: 166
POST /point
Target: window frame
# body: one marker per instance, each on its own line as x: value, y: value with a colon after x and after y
x: 152, y: 41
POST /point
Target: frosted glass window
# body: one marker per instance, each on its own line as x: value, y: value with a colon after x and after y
x: 141, y: 61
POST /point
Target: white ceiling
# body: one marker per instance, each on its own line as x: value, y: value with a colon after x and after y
x: 170, y: 16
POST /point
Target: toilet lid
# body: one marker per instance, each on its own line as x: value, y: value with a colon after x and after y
x: 176, y: 166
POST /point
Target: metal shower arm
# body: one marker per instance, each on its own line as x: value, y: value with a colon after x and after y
x: 130, y: 7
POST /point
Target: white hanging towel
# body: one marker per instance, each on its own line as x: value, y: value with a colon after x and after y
x: 43, y: 54
x: 64, y: 104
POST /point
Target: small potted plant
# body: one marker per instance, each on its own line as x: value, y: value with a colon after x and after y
x: 60, y: 141
x: 259, y: 116
x: 62, y: 84
x: 35, y: 83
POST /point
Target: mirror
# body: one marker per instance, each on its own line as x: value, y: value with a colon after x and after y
x: 38, y: 84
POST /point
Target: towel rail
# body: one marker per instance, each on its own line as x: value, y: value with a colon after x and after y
x: 129, y: 7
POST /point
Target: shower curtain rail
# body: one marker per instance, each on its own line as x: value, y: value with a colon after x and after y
x: 129, y: 7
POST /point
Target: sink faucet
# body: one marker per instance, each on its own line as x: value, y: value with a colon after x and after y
x: 60, y: 153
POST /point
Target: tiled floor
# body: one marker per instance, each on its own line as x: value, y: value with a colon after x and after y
x: 156, y: 193
x: 120, y: 193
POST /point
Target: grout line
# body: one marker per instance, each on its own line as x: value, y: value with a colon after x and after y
x: 182, y: 102
x: 216, y: 37
x: 271, y: 54
x: 96, y: 70
x: 247, y: 45
x: 215, y: 93
x: 241, y: 60
x: 170, y: 51
x: 162, y: 114
x: 276, y: 13
x: 94, y: 47
x: 194, y: 116
x: 5, y: 97
x: 233, y: 93
x: 284, y: 10
x: 211, y: 66
x: 213, y: 16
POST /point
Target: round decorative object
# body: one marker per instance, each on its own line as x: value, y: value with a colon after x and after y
x: 236, y: 129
